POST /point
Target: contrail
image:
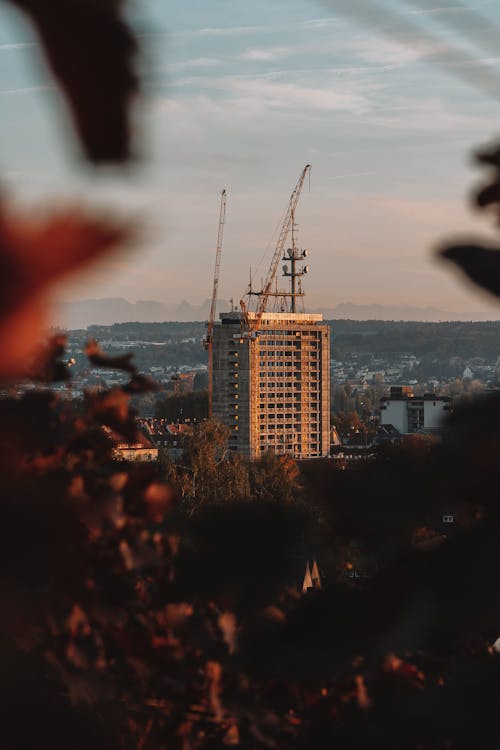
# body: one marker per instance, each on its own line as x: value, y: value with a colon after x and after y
x: 466, y: 21
x: 434, y: 49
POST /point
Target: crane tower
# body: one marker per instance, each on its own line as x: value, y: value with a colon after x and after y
x: 213, y: 307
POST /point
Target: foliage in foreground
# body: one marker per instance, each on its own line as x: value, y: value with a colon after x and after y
x: 128, y: 624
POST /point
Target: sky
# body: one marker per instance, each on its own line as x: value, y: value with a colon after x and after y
x: 241, y: 96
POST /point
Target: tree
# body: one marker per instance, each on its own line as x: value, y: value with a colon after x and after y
x: 207, y: 471
x: 274, y: 478
x: 201, y: 381
x: 347, y: 422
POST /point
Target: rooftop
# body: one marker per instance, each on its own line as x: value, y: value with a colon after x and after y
x: 416, y: 399
x: 272, y: 317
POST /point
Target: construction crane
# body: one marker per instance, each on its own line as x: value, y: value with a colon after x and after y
x: 208, y: 343
x: 278, y: 253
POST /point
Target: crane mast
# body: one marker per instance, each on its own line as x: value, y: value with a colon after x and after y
x: 210, y: 325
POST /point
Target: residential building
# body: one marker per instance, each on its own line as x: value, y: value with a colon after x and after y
x: 142, y: 449
x: 183, y: 382
x: 409, y: 414
x: 271, y: 385
x: 170, y: 437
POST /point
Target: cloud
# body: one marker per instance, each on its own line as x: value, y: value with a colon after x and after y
x: 321, y: 23
x: 439, y: 10
x: 17, y: 45
x: 195, y: 62
x: 269, y: 92
x: 25, y: 90
x: 265, y: 53
x: 385, y: 52
x: 226, y: 31
x: 426, y: 115
x: 278, y: 94
x: 261, y: 29
x: 312, y: 95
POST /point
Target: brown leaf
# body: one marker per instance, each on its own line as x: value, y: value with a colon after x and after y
x: 48, y: 366
x: 177, y: 614
x: 141, y: 384
x: 34, y: 253
x: 158, y: 498
x: 91, y: 53
x: 491, y: 157
x: 488, y: 195
x: 20, y: 333
x: 228, y: 625
x: 111, y: 409
x: 481, y: 264
x: 404, y: 669
x: 232, y: 736
x: 100, y: 359
x: 213, y: 672
x: 362, y: 693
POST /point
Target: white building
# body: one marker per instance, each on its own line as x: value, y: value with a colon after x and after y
x: 410, y: 414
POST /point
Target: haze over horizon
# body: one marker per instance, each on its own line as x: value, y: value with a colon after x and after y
x: 241, y: 97
x: 107, y: 311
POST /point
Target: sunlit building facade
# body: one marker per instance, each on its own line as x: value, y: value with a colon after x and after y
x: 271, y: 386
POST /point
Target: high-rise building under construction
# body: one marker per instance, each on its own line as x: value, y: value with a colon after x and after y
x: 271, y: 387
x: 269, y: 372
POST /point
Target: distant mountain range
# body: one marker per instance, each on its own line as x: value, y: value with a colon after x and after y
x: 351, y: 311
x: 109, y: 310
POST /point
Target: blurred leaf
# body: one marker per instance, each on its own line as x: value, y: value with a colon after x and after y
x: 480, y: 264
x: 100, y: 359
x: 34, y: 253
x: 491, y: 157
x: 111, y: 409
x: 48, y: 367
x: 141, y: 384
x: 91, y: 52
x: 488, y: 195
x: 158, y: 498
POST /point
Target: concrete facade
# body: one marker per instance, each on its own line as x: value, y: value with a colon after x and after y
x: 271, y: 387
x: 410, y: 414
